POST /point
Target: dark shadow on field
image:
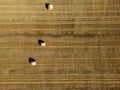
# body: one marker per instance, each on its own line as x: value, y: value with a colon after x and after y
x: 40, y: 42
x: 31, y: 60
x: 46, y: 5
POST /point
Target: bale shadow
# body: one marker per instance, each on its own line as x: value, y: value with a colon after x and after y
x: 46, y: 5
x: 40, y: 42
x: 30, y: 60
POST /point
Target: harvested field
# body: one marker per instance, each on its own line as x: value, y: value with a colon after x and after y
x: 82, y: 49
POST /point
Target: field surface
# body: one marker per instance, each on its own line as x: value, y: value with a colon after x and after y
x: 82, y: 38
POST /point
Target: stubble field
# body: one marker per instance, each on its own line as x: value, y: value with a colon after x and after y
x: 82, y: 38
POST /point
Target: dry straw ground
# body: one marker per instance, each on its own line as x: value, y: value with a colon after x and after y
x: 83, y: 45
